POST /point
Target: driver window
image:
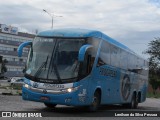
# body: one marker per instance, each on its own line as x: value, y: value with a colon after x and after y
x: 90, y: 56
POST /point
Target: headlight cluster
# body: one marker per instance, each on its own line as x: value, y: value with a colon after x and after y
x: 26, y: 86
x: 69, y: 90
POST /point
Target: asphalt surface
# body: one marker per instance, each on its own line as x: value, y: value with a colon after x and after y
x: 15, y: 103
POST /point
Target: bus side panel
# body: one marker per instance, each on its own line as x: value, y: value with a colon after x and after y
x: 126, y: 86
x: 143, y: 86
x: 84, y: 92
x: 130, y: 83
x: 107, y: 78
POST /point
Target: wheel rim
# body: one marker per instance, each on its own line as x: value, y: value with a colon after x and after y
x: 95, y: 101
x: 133, y: 103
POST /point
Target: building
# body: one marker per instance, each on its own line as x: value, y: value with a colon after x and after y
x: 10, y: 39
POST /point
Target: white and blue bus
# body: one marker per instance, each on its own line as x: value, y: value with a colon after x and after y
x: 79, y: 67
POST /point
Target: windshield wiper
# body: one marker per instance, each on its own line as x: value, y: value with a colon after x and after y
x: 44, y: 64
x: 57, y: 73
x: 54, y: 66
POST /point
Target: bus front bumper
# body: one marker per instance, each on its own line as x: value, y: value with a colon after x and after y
x: 63, y: 99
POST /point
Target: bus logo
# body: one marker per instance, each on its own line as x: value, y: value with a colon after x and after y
x: 45, y: 91
x: 126, y: 87
x: 35, y: 85
x: 108, y: 72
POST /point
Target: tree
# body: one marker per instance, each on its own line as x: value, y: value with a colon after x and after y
x: 154, y: 63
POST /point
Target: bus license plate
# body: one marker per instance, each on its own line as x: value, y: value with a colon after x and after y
x: 44, y: 98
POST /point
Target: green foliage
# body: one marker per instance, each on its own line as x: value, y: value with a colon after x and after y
x: 154, y: 63
x: 16, y: 87
x: 154, y: 52
x: 151, y: 95
x: 155, y: 82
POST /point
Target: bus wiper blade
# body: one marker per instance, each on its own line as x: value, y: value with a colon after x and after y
x: 57, y: 73
x: 44, y: 64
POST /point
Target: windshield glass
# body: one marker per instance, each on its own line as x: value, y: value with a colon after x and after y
x: 54, y: 59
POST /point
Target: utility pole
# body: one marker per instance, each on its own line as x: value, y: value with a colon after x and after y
x: 52, y: 15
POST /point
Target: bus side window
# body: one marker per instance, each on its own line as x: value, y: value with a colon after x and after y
x: 90, y: 63
x: 86, y: 66
x: 104, y: 56
x: 115, y: 56
x: 100, y: 62
x: 123, y: 59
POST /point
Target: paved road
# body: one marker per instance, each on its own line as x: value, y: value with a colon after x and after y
x: 15, y: 103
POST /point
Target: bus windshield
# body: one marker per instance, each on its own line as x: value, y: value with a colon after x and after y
x: 54, y: 59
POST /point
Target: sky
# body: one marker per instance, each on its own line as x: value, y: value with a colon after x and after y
x: 134, y: 23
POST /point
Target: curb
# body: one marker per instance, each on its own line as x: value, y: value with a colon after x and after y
x: 7, y: 93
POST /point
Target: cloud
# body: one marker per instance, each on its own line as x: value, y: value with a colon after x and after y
x: 126, y: 21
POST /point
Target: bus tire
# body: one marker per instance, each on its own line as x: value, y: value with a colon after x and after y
x: 134, y: 102
x: 139, y: 97
x: 50, y: 105
x: 96, y: 102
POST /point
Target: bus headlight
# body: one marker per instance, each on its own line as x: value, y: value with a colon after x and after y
x: 26, y: 86
x: 69, y: 90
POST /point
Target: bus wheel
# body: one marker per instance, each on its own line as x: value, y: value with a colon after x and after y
x: 50, y: 105
x: 96, y: 102
x: 134, y: 102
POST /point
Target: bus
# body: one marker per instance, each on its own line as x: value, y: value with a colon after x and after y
x: 80, y: 67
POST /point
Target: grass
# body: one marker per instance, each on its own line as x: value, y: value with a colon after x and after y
x: 151, y: 95
x: 16, y: 87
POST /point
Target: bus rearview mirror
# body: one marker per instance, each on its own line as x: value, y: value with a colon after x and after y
x: 82, y: 52
x: 21, y: 46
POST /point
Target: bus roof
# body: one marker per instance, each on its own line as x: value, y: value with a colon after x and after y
x: 70, y: 32
x: 83, y: 33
